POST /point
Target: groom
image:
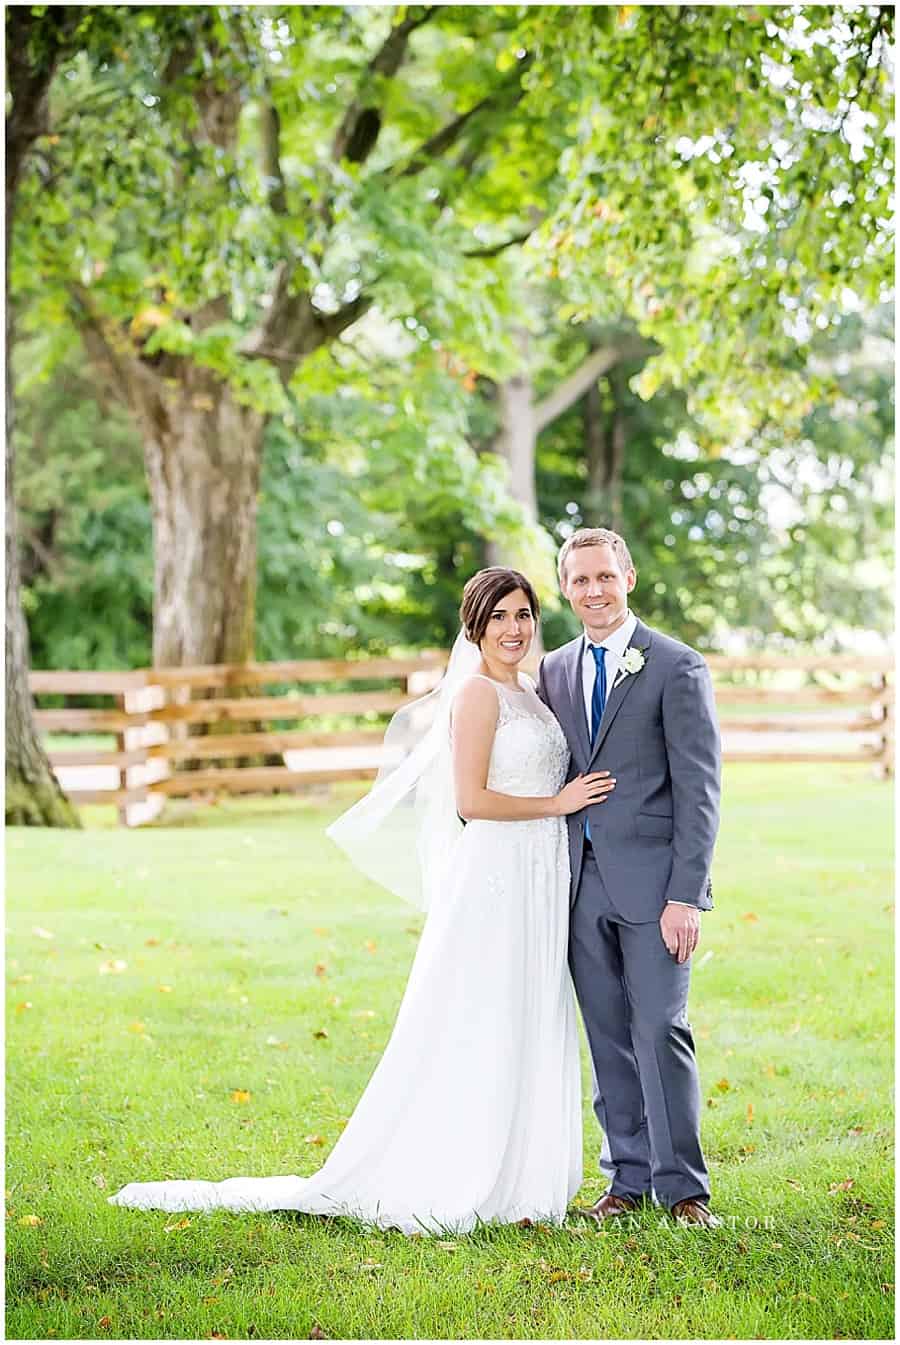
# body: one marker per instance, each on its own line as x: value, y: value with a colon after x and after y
x: 639, y: 704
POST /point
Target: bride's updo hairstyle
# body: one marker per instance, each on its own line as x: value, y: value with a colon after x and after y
x: 482, y: 593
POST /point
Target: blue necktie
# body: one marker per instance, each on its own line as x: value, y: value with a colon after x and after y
x: 598, y: 698
x: 598, y: 703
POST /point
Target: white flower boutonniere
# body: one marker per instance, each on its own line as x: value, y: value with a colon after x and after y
x: 633, y: 660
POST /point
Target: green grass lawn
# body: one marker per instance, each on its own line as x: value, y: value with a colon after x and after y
x: 169, y: 992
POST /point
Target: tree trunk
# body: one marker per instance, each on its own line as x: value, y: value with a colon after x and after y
x: 33, y: 795
x: 203, y: 466
x: 604, y: 435
x: 515, y: 442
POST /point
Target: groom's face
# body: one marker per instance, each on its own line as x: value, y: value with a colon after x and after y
x: 597, y: 588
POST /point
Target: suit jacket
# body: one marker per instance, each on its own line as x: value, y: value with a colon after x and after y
x: 653, y: 837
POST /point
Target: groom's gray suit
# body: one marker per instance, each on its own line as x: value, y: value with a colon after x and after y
x: 651, y: 841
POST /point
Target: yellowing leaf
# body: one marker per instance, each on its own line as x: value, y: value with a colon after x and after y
x: 164, y: 989
x: 845, y: 1185
x: 23, y: 979
x: 320, y: 969
x: 30, y: 1220
x: 151, y: 943
x: 313, y: 1139
x: 750, y: 916
x: 114, y: 967
x: 178, y: 1226
x: 240, y: 1095
x: 25, y: 1004
x: 148, y: 318
x: 749, y: 1113
x: 136, y: 1027
x: 371, y: 945
x: 723, y: 1085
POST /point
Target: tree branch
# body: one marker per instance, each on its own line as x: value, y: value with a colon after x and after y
x: 576, y: 385
x: 494, y: 249
x: 270, y: 135
x: 361, y: 123
x: 448, y: 135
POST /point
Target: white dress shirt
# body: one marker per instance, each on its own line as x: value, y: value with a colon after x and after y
x: 614, y: 646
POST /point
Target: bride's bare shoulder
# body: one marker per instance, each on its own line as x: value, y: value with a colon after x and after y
x: 476, y: 695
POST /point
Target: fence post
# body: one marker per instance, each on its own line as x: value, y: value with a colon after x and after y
x: 884, y: 761
x: 122, y: 746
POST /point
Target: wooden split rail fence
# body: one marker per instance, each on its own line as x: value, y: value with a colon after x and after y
x: 201, y: 731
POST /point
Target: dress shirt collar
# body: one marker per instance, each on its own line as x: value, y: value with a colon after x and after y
x: 620, y: 639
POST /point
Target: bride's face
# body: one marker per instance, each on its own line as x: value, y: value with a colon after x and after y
x: 510, y: 630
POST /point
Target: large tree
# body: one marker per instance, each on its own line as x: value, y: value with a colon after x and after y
x: 262, y: 180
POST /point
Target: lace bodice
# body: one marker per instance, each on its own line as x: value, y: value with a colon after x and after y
x: 530, y: 755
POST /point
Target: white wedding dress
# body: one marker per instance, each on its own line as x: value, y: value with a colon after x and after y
x: 474, y: 1110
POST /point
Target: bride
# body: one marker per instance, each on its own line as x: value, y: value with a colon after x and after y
x: 474, y: 1111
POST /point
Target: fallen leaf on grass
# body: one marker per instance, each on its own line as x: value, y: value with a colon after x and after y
x: 23, y: 979
x: 151, y: 943
x: 447, y: 1246
x: 114, y: 967
x: 240, y: 1095
x: 136, y: 1027
x: 792, y: 1181
x: 320, y: 969
x: 856, y: 1130
x: 313, y: 1139
x: 749, y: 1113
x: 164, y: 989
x: 316, y: 1333
x: 371, y: 945
x: 723, y: 1085
x: 845, y: 1185
x: 369, y: 1264
x: 41, y: 932
x: 25, y: 1004
x: 275, y: 1041
x: 320, y: 1034
x: 30, y: 1220
x: 105, y: 1323
x: 750, y: 916
x: 99, y: 1180
x: 178, y: 1226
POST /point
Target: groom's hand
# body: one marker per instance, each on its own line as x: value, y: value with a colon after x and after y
x: 680, y: 928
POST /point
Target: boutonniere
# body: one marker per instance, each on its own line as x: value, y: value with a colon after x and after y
x: 633, y: 660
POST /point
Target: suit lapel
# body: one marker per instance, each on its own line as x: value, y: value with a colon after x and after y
x: 641, y: 639
x: 576, y: 695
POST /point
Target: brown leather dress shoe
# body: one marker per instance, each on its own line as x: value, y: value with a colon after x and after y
x: 695, y: 1212
x: 610, y: 1206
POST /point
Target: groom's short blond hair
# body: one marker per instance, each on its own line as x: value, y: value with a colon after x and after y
x: 594, y: 537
